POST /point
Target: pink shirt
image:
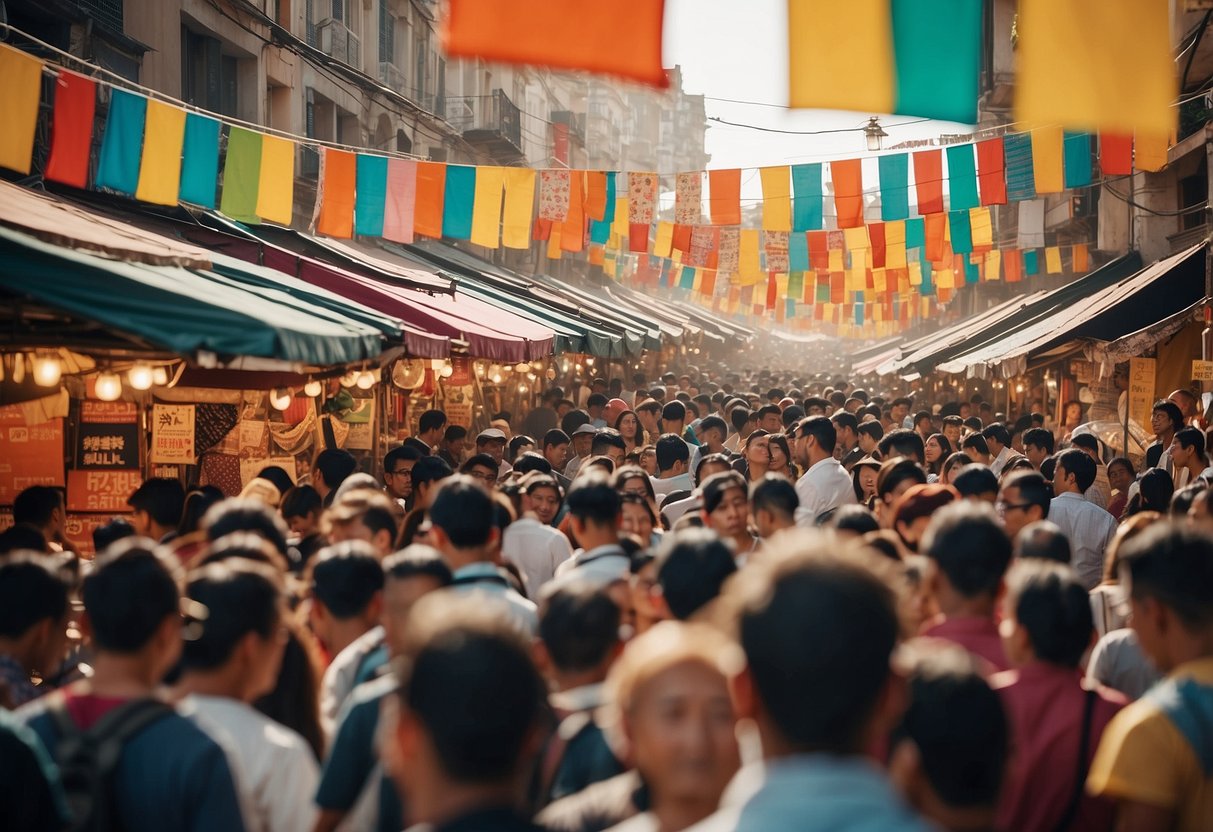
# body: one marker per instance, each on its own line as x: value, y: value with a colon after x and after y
x: 976, y: 634
x: 1045, y: 705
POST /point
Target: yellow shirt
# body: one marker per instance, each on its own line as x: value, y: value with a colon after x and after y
x: 1159, y: 750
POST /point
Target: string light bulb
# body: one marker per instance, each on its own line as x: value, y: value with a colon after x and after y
x: 522, y: 367
x: 108, y: 387
x: 349, y: 379
x: 366, y: 380
x: 160, y: 376
x: 447, y: 370
x: 313, y: 388
x: 280, y: 398
x: 47, y: 370
x: 140, y: 376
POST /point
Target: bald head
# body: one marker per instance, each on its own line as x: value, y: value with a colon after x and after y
x: 1185, y: 401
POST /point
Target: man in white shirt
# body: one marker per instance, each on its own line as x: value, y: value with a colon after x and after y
x: 825, y: 485
x: 530, y: 542
x: 998, y: 438
x: 1100, y: 492
x: 231, y: 660
x: 673, y: 459
x: 595, y: 513
x: 1088, y: 527
x: 1188, y: 454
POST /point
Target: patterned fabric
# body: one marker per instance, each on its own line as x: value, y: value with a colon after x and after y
x: 688, y: 198
x: 703, y: 242
x: 776, y: 245
x: 730, y: 248
x: 554, y: 195
x: 642, y: 195
x: 212, y: 422
x: 223, y: 472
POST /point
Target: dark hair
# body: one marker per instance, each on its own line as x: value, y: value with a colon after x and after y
x: 335, y: 464
x: 692, y: 566
x: 464, y: 512
x: 775, y: 494
x: 592, y: 499
x: 430, y: 420
x: 401, y: 453
x: 977, y: 442
x: 1076, y: 462
x: 474, y: 663
x: 1053, y: 607
x: 959, y: 726
x: 246, y: 515
x: 32, y: 588
x: 739, y: 416
x: 1090, y: 442
x: 1039, y: 438
x: 903, y: 442
x: 278, y: 476
x: 893, y: 472
x: 959, y: 459
x: 674, y: 411
x: 1173, y: 563
x: 717, y: 459
x: 842, y: 419
x: 430, y: 469
x: 607, y: 438
x: 998, y: 432
x: 1125, y: 462
x: 1033, y: 489
x: 416, y: 561
x: 596, y: 400
x: 822, y: 430
x: 714, y: 423
x: 108, y: 534
x: 854, y: 518
x: 162, y: 498
x: 517, y: 442
x: 975, y: 480
x: 671, y: 449
x: 1156, y: 490
x: 240, y: 597
x: 872, y: 429
x: 1173, y: 413
x: 454, y: 433
x: 798, y: 623
x: 1191, y: 438
x: 579, y: 625
x: 768, y: 410
x: 1042, y: 540
x: 969, y: 546
x: 197, y: 503
x: 715, y: 486
x: 531, y: 461
x: 483, y: 460
x: 300, y: 501
x: 130, y: 570
x: 35, y: 505
x: 555, y: 436
x: 371, y: 509
x: 573, y: 420
x: 345, y: 577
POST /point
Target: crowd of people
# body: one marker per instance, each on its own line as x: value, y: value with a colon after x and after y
x: 741, y: 602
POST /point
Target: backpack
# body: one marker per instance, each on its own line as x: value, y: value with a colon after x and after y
x: 87, y: 759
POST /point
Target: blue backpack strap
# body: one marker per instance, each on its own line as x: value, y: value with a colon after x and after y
x: 1189, y: 706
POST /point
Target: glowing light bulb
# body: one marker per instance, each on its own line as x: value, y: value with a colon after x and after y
x: 312, y: 389
x: 108, y: 387
x: 47, y: 370
x: 160, y: 376
x: 280, y: 398
x: 366, y: 380
x: 521, y: 388
x: 447, y: 371
x: 140, y: 376
x: 522, y: 367
x: 349, y: 379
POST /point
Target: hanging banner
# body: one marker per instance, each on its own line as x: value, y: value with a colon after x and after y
x: 101, y: 491
x: 1141, y: 389
x: 29, y: 454
x: 173, y: 433
x: 108, y: 436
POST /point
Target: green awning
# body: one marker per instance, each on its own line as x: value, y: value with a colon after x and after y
x: 183, y: 310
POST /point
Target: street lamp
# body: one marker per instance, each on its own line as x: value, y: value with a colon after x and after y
x: 874, y: 134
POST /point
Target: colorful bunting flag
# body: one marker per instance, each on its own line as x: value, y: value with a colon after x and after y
x: 642, y: 197
x: 981, y: 228
x: 894, y: 186
x: 776, y: 198
x: 596, y: 195
x: 991, y: 172
x: 400, y: 196
x: 276, y: 180
x: 961, y: 230
x: 122, y: 142
x: 1078, y: 160
x: 160, y: 166
x: 572, y: 230
x: 724, y: 196
x: 848, y: 192
x: 1150, y: 151
x: 200, y: 160
x: 486, y: 209
x: 962, y: 178
x: 338, y: 178
x: 554, y: 195
x: 806, y: 185
x: 1116, y: 154
x: 688, y: 198
x: 20, y: 93
x: 1053, y: 260
x: 241, y: 173
x: 928, y: 181
x: 429, y: 196
x: 1021, y: 178
x: 370, y: 194
x: 1048, y: 160
x: 72, y: 129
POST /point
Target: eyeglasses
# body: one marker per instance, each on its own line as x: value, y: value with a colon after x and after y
x: 403, y: 472
x: 1003, y: 508
x: 491, y: 479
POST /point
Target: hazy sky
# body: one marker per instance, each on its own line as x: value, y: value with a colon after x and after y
x: 738, y: 50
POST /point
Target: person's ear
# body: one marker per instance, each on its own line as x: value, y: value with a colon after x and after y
x: 542, y: 658
x: 741, y: 689
x: 439, y: 536
x: 905, y: 769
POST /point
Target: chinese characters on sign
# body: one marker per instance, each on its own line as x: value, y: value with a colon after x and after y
x: 108, y: 436
x: 29, y: 454
x: 101, y: 491
x: 1141, y: 389
x: 173, y: 433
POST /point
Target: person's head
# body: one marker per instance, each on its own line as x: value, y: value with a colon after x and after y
x: 1037, y: 445
x: 34, y: 611
x: 864, y: 476
x: 815, y: 441
x: 108, y: 534
x: 868, y: 435
x: 743, y: 420
x: 976, y: 482
x: 241, y: 637
x: 710, y: 464
x: 594, y: 510
x: 1023, y: 499
x: 579, y: 633
x: 726, y: 504
x: 901, y: 409
x: 1047, y: 615
x: 492, y: 442
x: 595, y: 404
x: 781, y: 453
x: 649, y: 413
x: 430, y: 426
x: 408, y: 575
x: 804, y: 615
x: 673, y: 417
x: 428, y: 473
x: 952, y: 425
x: 482, y: 468
x: 150, y: 630
x: 330, y: 469
x: 692, y: 567
x: 997, y: 437
x: 949, y: 755
x: 1188, y: 448
x: 628, y: 425
x: 301, y: 508
x: 902, y: 442
x: 454, y: 440
x: 41, y: 507
x: 556, y: 448
x: 713, y: 432
x: 769, y: 418
x: 936, y: 449
x: 970, y: 553
x: 1121, y: 474
x: 922, y: 422
x: 1166, y: 419
x: 672, y: 455
x: 914, y: 509
x: 1168, y: 571
x: 671, y: 716
x: 1087, y: 442
x: 773, y: 504
x: 1181, y: 500
x: 463, y: 657
x: 157, y: 505
x: 854, y: 520
x: 461, y: 518
x: 346, y: 590
x: 1075, y: 471
x: 976, y: 447
x: 609, y: 443
x: 896, y: 476
x: 364, y: 515
x: 637, y: 518
x: 952, y: 464
x: 1071, y: 413
x: 1185, y: 401
x: 235, y: 515
x: 542, y: 496
x: 398, y: 470
x: 198, y: 502
x: 517, y: 446
x: 757, y: 450
x: 1042, y: 540
x: 277, y: 475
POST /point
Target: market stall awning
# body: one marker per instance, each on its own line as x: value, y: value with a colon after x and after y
x: 869, y: 359
x: 1164, y: 288
x: 1110, y: 353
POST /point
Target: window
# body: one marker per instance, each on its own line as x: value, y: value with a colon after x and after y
x: 208, y: 77
x: 387, y: 34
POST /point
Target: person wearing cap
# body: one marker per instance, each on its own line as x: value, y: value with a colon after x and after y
x: 492, y: 441
x: 582, y: 442
x: 614, y: 409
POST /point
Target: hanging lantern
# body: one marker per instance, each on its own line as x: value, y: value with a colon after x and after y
x: 366, y: 380
x: 48, y: 369
x: 313, y: 388
x: 108, y: 387
x: 140, y: 376
x: 160, y: 376
x: 280, y: 398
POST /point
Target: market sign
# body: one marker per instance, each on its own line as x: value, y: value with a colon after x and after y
x: 108, y: 436
x: 101, y: 491
x: 173, y: 433
x: 29, y: 454
x: 1202, y: 370
x: 1141, y: 389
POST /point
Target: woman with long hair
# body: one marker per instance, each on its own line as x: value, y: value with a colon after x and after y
x: 952, y: 465
x: 756, y: 456
x: 781, y: 457
x: 1071, y: 417
x: 863, y: 479
x: 631, y: 479
x: 937, y: 449
x: 628, y: 425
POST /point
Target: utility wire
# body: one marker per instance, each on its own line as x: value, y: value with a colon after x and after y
x: 811, y: 132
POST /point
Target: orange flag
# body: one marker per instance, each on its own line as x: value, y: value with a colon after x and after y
x: 724, y: 196
x: 337, y: 194
x: 595, y: 194
x: 848, y: 192
x: 566, y: 34
x: 431, y: 191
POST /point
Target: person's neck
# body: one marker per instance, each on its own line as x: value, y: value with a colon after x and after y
x: 344, y: 633
x: 743, y: 542
x: 157, y: 532
x: 229, y: 682
x: 578, y: 679
x: 1187, y: 646
x: 1166, y: 437
x: 815, y: 458
x: 594, y: 538
x: 954, y: 605
x: 443, y: 800
x: 674, y: 813
x: 459, y: 558
x: 123, y: 676
x: 1195, y: 467
x: 669, y: 474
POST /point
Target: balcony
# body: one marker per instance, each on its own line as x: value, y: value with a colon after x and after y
x: 492, y: 123
x: 337, y: 41
x: 1187, y: 238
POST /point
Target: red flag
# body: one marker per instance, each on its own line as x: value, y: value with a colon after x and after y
x: 992, y: 172
x: 72, y: 130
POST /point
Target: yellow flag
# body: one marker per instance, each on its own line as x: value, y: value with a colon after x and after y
x: 1095, y: 65
x: 915, y: 273
x: 895, y: 244
x: 776, y: 198
x: 1053, y: 260
x: 944, y: 279
x: 519, y: 207
x: 840, y: 55
x: 276, y: 180
x: 1150, y: 151
x: 486, y: 207
x: 20, y: 91
x: 856, y: 240
x: 1048, y: 166
x: 160, y: 165
x: 981, y: 227
x: 554, y: 243
x: 665, y: 237
x: 749, y: 266
x: 994, y: 265
x: 836, y: 261
x: 879, y: 280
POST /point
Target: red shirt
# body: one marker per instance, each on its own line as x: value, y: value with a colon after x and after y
x: 1045, y: 705
x: 976, y: 634
x: 86, y: 709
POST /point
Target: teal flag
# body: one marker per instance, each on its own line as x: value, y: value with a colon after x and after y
x: 600, y: 231
x: 1077, y: 154
x: 962, y: 177
x: 894, y: 187
x: 458, y: 201
x: 798, y: 252
x: 795, y: 286
x: 807, y: 196
x: 687, y: 281
x: 937, y: 53
x: 200, y: 160
x: 122, y: 144
x: 972, y: 271
x: 962, y: 232
x: 370, y: 194
x: 1021, y: 177
x: 1031, y: 263
x: 915, y: 233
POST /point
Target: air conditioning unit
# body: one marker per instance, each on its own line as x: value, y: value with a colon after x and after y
x: 334, y: 39
x: 391, y: 76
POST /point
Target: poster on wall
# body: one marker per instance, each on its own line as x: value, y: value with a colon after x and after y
x: 29, y: 454
x: 1141, y: 390
x: 457, y: 404
x: 101, y: 491
x: 108, y: 436
x: 173, y: 433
